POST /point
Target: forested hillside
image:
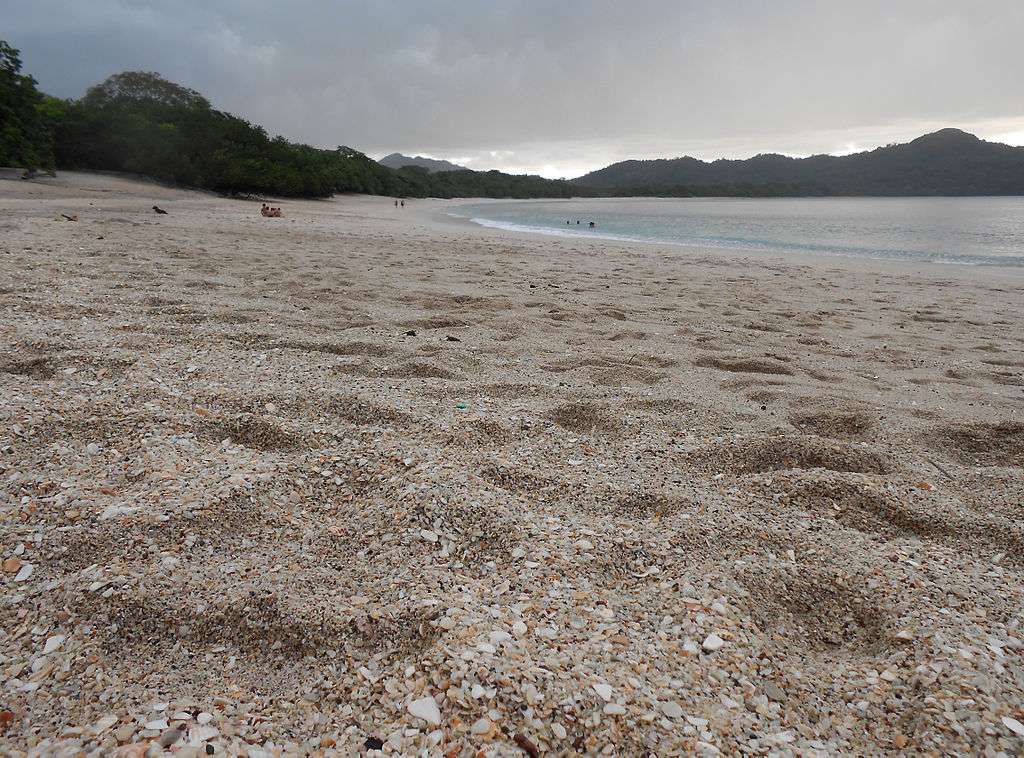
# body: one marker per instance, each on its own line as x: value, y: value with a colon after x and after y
x: 947, y: 162
x: 138, y: 122
x: 141, y: 123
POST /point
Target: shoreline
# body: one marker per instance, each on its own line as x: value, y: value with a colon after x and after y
x: 443, y: 218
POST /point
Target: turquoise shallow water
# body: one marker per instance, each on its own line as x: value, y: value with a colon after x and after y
x: 961, y: 230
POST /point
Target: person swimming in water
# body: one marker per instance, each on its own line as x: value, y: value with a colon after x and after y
x: 592, y: 224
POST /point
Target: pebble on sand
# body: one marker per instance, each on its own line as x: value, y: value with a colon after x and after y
x: 426, y: 708
x: 672, y: 709
x: 712, y: 643
x: 1013, y: 725
x: 53, y: 643
x: 25, y: 572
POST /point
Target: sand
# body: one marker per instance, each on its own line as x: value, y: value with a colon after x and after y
x: 369, y: 478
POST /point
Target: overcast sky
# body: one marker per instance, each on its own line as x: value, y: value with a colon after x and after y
x: 557, y: 87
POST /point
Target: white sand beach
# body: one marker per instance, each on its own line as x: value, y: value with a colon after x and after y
x: 368, y: 478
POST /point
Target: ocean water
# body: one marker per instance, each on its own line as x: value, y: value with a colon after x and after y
x: 961, y: 230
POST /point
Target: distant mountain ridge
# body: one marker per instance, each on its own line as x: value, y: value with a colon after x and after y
x: 433, y: 165
x: 946, y: 162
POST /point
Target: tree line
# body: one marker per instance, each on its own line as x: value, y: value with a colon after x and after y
x: 27, y: 116
x: 140, y: 123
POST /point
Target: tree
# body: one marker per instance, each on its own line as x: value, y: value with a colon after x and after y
x: 143, y: 87
x: 25, y: 136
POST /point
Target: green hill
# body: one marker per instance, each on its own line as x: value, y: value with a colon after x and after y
x: 947, y: 162
x: 433, y: 165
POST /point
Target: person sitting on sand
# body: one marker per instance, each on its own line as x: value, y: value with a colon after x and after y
x: 265, y: 210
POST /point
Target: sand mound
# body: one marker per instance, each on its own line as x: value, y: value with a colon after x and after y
x: 34, y: 368
x: 249, y: 430
x: 759, y: 454
x: 837, y: 423
x: 744, y: 365
x: 585, y: 418
x: 351, y: 348
x: 818, y: 610
x: 999, y: 444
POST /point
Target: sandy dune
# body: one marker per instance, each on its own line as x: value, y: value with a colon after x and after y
x: 365, y: 477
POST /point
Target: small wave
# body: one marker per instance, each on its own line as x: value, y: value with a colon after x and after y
x: 508, y: 226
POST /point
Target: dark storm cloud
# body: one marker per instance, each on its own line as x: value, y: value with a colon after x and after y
x: 555, y: 86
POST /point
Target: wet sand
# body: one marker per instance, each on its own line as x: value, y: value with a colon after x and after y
x: 369, y: 476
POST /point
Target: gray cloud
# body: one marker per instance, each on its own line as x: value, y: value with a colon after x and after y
x: 556, y: 87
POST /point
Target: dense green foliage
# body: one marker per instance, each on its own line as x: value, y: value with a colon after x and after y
x: 25, y: 116
x: 947, y: 162
x: 140, y: 123
x: 466, y: 183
